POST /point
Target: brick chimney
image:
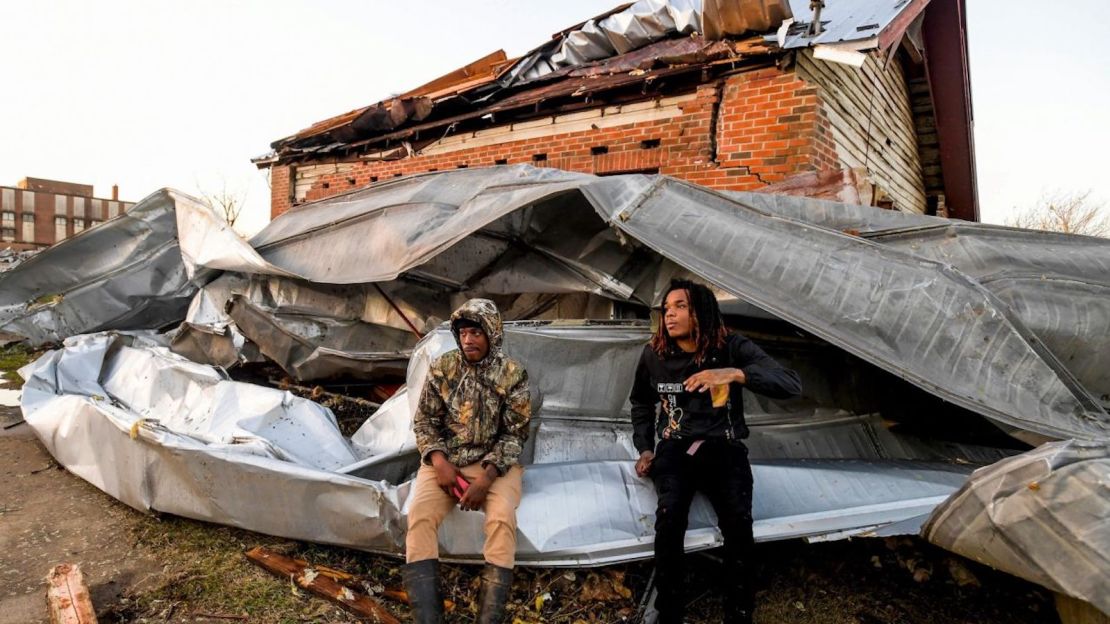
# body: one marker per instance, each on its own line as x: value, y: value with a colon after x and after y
x: 115, y: 192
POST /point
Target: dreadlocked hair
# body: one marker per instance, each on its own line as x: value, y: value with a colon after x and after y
x: 707, y: 328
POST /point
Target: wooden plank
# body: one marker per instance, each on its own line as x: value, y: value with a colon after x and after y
x: 324, y: 582
x: 67, y: 596
x: 885, y: 170
x: 856, y: 98
x: 861, y: 127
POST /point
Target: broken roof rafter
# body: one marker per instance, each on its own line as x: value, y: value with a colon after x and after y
x: 577, y: 88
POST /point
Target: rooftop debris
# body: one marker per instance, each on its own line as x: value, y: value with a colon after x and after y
x: 921, y: 340
x: 639, y: 47
x: 127, y: 272
x: 1062, y: 481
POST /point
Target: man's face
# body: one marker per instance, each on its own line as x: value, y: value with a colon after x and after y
x: 474, y: 343
x: 676, y: 314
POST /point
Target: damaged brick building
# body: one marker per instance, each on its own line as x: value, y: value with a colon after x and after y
x: 866, y: 101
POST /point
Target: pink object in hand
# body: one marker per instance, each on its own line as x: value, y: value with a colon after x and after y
x: 460, y: 489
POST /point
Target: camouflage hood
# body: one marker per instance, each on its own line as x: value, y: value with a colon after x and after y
x: 484, y: 312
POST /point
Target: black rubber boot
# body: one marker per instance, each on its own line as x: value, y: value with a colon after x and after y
x: 421, y: 580
x: 496, y: 583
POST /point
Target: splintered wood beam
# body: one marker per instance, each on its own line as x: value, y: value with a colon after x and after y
x: 67, y: 597
x: 325, y: 585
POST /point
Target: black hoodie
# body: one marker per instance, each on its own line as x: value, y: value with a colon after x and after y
x: 659, y: 379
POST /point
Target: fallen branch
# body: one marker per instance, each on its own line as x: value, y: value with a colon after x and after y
x: 323, y: 585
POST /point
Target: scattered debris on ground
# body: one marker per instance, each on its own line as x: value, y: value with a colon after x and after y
x: 864, y: 581
x: 67, y: 597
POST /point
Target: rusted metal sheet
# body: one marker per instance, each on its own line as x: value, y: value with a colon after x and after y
x: 389, y: 114
x: 729, y: 18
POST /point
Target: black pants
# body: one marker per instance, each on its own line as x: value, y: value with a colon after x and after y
x: 720, y: 469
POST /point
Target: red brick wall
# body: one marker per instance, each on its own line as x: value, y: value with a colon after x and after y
x: 281, y: 189
x: 769, y: 125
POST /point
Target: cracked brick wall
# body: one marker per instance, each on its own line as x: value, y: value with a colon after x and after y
x: 739, y: 133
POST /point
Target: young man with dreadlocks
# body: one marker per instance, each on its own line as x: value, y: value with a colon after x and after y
x: 697, y: 371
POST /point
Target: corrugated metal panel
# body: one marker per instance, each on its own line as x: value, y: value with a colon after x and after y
x: 842, y: 21
x: 920, y: 318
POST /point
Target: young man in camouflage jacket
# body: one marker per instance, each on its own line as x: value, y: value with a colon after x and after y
x: 470, y: 424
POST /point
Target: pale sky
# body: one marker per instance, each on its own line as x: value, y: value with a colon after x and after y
x: 148, y: 94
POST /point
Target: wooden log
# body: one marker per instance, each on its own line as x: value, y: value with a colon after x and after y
x: 323, y: 585
x: 67, y: 597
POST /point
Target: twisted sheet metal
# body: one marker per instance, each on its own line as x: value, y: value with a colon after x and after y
x: 922, y: 319
x: 1041, y: 515
x: 163, y: 434
x: 1057, y: 284
x: 124, y: 273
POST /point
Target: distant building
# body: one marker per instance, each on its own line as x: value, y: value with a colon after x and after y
x: 37, y: 213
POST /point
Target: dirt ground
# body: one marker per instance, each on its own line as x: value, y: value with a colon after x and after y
x: 48, y: 516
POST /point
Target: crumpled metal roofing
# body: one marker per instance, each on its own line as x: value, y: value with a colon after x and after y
x: 161, y: 433
x: 124, y: 273
x: 1057, y: 284
x: 908, y: 294
x: 1041, y: 515
x: 642, y: 23
x: 924, y: 319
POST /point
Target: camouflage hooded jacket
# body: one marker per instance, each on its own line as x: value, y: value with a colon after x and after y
x: 475, y: 412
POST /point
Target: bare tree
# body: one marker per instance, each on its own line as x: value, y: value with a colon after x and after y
x: 1071, y: 213
x: 225, y: 202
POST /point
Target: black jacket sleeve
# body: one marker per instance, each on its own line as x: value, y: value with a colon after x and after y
x: 764, y: 375
x: 644, y: 401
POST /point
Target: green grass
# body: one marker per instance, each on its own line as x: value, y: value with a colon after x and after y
x: 12, y: 358
x: 205, y: 571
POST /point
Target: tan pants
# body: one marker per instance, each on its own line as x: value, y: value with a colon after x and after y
x: 430, y: 505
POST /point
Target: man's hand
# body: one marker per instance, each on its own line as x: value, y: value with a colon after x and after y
x: 706, y: 379
x: 445, y: 472
x: 643, y: 465
x: 475, y: 495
